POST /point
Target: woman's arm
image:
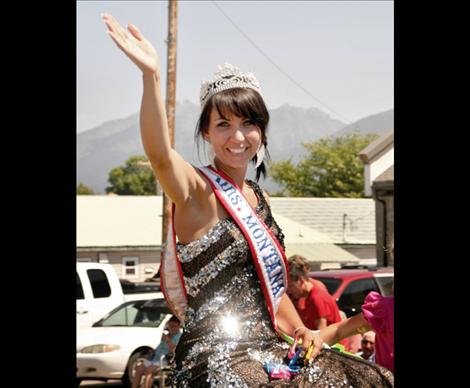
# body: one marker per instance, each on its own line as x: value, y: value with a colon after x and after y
x: 177, y: 177
x: 287, y: 317
x: 288, y: 320
x: 341, y: 330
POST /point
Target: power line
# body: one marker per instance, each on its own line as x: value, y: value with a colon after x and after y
x: 277, y: 66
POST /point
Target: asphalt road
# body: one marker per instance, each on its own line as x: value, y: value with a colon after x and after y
x: 101, y: 384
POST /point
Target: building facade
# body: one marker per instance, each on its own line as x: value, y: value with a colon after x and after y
x: 378, y: 159
x: 124, y: 231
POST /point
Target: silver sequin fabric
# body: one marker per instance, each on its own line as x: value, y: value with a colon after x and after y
x: 228, y: 334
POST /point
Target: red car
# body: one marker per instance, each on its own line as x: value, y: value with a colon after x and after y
x: 350, y: 286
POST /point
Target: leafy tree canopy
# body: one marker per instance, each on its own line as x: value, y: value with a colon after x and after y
x: 331, y: 168
x: 84, y: 190
x: 136, y: 177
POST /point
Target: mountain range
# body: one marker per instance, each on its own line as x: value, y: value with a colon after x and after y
x: 109, y: 145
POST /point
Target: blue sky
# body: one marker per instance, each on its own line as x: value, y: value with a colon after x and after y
x: 340, y: 52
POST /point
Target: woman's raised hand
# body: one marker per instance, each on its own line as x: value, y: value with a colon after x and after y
x: 133, y: 43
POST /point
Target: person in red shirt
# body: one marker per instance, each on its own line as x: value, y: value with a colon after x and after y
x: 316, y: 307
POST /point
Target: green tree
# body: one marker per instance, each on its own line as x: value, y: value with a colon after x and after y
x: 135, y: 178
x: 84, y: 190
x: 330, y: 169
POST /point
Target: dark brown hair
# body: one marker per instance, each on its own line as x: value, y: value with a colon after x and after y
x: 241, y: 102
x: 298, y: 268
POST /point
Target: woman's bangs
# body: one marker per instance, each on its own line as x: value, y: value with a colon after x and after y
x: 238, y: 102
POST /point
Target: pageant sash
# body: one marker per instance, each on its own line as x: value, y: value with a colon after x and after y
x: 268, y: 256
x: 171, y: 275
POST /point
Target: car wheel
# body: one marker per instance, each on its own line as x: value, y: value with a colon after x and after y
x: 134, y: 360
x: 157, y: 381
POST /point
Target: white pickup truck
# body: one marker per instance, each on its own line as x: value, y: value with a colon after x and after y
x: 99, y: 291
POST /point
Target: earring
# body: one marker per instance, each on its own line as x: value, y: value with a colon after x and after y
x: 260, y: 155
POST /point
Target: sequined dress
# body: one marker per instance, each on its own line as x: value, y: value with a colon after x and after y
x: 228, y: 333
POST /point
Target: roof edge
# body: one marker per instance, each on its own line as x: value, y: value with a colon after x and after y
x: 377, y: 146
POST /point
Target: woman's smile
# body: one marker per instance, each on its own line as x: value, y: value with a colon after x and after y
x: 237, y: 151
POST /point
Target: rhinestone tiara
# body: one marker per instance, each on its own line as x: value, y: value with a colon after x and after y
x: 227, y: 77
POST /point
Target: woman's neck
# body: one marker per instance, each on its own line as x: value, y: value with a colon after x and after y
x: 238, y: 175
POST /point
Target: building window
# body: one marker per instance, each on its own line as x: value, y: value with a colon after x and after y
x: 130, y: 267
x: 84, y: 259
x: 103, y: 258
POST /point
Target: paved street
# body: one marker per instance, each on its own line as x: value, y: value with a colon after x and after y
x: 101, y: 384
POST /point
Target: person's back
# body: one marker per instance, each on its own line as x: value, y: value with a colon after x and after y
x: 319, y: 305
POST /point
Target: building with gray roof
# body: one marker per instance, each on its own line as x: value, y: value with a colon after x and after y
x: 379, y: 174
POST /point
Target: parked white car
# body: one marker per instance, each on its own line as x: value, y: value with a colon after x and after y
x: 125, y: 337
x: 99, y: 290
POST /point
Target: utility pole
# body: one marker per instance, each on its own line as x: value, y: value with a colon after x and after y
x: 170, y: 99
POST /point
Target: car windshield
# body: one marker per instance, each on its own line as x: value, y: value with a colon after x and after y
x: 331, y: 284
x: 137, y: 313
